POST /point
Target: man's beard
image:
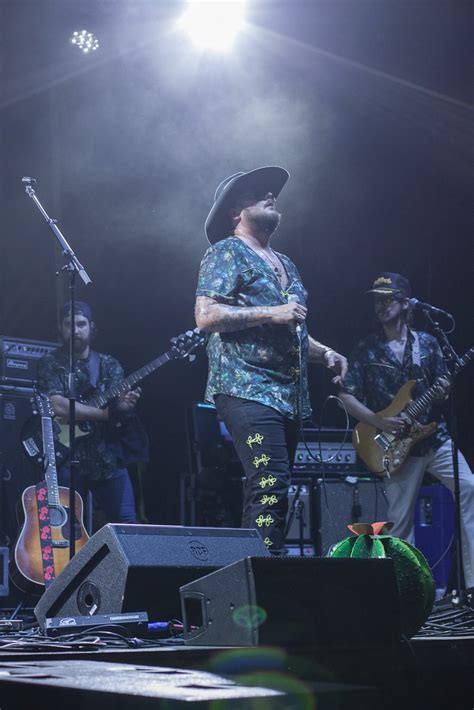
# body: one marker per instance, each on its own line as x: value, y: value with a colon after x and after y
x: 265, y: 220
x: 80, y: 345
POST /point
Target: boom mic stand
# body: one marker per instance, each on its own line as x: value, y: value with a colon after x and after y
x: 452, y: 360
x: 72, y: 267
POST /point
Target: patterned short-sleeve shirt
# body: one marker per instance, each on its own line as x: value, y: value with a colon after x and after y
x: 100, y: 453
x: 260, y: 363
x: 375, y: 375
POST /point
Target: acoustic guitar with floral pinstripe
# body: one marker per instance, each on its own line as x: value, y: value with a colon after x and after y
x: 42, y: 548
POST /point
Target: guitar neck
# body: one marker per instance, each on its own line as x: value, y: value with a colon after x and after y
x: 51, y: 476
x: 102, y: 398
x: 426, y: 399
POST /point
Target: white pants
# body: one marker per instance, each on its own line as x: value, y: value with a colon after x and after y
x: 402, y: 491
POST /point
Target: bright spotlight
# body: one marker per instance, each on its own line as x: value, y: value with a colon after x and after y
x: 85, y: 41
x: 213, y: 24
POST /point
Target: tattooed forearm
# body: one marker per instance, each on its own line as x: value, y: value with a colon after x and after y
x: 212, y: 316
x: 317, y: 351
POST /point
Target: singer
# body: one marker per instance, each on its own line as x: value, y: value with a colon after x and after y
x: 379, y: 366
x: 251, y: 300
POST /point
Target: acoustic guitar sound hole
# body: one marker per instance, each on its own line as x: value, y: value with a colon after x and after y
x: 57, y: 517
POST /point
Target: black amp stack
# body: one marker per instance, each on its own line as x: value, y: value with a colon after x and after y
x: 19, y: 358
x: 18, y: 370
x: 331, y: 488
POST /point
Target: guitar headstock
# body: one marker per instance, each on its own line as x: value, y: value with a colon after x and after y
x: 42, y: 405
x: 183, y: 345
x: 465, y: 360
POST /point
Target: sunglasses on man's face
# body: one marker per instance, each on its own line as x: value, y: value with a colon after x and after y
x: 378, y: 298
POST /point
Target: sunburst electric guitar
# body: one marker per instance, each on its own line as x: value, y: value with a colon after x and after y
x: 385, y: 453
x: 42, y: 549
x: 182, y: 346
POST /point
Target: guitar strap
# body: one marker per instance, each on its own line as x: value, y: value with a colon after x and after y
x: 415, y: 349
x: 94, y: 367
x: 46, y: 540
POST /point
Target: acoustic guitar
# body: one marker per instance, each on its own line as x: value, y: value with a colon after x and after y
x: 42, y: 548
x: 385, y: 453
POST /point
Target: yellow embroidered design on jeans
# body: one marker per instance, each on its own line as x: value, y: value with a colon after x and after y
x: 268, y: 542
x: 267, y: 481
x: 268, y: 500
x: 264, y: 520
x: 263, y: 459
x: 256, y: 439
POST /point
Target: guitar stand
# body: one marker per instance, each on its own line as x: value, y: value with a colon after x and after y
x: 23, y: 605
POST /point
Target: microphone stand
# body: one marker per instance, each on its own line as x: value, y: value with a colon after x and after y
x: 72, y: 267
x: 452, y: 360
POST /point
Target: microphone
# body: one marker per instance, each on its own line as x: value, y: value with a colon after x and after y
x: 28, y: 180
x: 294, y: 327
x: 420, y: 306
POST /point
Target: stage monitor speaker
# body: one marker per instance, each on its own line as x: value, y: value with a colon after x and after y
x: 124, y: 568
x: 338, y: 503
x: 293, y: 601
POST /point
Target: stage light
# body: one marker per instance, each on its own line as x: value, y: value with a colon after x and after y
x: 85, y: 41
x: 213, y: 24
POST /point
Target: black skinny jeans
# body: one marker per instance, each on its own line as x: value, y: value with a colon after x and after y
x: 265, y: 442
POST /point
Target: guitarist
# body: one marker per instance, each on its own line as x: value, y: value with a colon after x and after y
x: 104, y: 453
x: 378, y: 367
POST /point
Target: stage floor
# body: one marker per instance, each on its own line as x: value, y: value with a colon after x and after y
x: 434, y: 672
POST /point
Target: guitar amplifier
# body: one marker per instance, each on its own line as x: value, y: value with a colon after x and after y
x: 16, y: 471
x: 19, y: 358
x: 336, y: 458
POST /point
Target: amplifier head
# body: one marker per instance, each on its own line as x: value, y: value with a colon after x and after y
x: 336, y: 457
x: 19, y: 357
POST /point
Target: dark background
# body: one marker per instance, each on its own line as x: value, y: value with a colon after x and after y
x: 367, y: 103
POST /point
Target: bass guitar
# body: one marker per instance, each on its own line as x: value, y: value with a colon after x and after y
x: 182, y: 346
x: 42, y: 548
x: 385, y: 453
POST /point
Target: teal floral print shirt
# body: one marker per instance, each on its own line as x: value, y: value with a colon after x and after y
x: 260, y: 363
x: 375, y: 375
x: 100, y: 453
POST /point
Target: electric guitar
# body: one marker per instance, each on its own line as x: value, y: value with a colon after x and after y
x: 385, y: 453
x: 42, y: 548
x: 183, y: 347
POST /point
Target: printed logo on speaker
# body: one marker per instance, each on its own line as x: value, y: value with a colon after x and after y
x: 198, y: 550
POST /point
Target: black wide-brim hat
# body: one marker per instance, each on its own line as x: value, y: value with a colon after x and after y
x: 268, y: 179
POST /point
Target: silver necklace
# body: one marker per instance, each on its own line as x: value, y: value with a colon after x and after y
x: 274, y: 264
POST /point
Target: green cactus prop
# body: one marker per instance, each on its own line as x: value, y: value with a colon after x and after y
x: 416, y: 586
